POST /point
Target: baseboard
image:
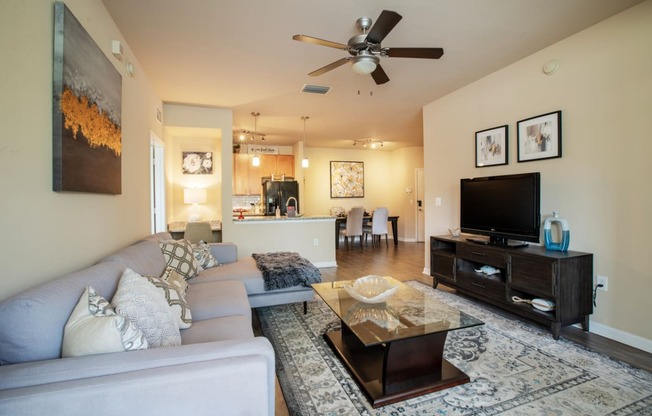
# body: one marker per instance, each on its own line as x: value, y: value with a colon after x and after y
x: 407, y: 240
x: 426, y: 270
x: 621, y: 336
x: 325, y: 264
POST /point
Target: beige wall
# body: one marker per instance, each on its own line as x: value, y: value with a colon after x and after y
x: 601, y: 185
x: 178, y: 140
x: 45, y: 233
x: 387, y: 174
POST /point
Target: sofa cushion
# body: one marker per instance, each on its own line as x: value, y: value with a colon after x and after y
x: 143, y: 257
x: 94, y: 328
x: 216, y: 299
x: 218, y: 329
x: 32, y: 322
x: 244, y: 270
x: 143, y: 304
x: 178, y: 255
x: 175, y: 299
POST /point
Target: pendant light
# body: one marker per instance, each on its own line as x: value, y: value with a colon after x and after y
x: 255, y: 161
x: 304, y: 163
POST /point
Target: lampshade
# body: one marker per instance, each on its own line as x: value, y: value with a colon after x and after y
x: 305, y: 163
x: 194, y: 196
x: 255, y: 161
x: 364, y: 64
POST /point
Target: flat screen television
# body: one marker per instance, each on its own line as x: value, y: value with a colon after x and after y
x: 503, y: 208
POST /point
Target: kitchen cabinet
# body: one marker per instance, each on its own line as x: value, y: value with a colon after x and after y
x: 246, y: 177
x: 277, y: 164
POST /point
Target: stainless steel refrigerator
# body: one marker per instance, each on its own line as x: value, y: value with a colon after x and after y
x: 276, y: 193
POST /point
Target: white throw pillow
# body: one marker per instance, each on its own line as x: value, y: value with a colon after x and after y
x: 203, y: 255
x: 94, y: 328
x: 145, y: 306
x: 178, y: 255
x: 175, y: 299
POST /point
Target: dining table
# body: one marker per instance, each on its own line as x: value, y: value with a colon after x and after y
x: 339, y: 220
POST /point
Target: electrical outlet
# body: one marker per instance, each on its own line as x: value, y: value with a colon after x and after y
x: 315, y: 242
x: 602, y: 280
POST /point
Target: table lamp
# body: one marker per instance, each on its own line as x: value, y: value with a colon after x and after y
x: 194, y: 196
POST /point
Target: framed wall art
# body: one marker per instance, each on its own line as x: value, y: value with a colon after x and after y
x: 86, y: 111
x: 197, y: 163
x: 491, y: 147
x: 347, y: 179
x: 539, y: 137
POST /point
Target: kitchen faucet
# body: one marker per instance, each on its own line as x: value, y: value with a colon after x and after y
x: 296, y: 204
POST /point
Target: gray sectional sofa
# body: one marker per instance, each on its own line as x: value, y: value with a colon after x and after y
x: 221, y: 368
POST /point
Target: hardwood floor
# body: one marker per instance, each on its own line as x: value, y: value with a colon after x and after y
x: 406, y: 262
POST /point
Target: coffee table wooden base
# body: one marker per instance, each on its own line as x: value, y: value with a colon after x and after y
x: 396, y: 371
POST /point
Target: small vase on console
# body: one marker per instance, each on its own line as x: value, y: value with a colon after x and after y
x: 561, y: 245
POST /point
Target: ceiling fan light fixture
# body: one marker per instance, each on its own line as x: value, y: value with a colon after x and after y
x: 364, y: 64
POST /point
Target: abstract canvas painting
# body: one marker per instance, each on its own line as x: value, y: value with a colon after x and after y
x: 87, y: 94
x: 347, y: 179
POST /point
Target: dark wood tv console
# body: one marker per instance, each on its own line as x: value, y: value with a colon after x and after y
x: 531, y: 272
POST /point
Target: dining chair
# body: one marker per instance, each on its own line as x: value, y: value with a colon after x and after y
x: 378, y: 226
x: 198, y: 231
x: 353, y: 225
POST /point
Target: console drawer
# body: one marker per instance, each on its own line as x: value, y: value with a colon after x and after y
x: 485, y: 286
x: 482, y: 255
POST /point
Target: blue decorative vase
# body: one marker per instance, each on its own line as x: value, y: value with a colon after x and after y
x: 565, y: 233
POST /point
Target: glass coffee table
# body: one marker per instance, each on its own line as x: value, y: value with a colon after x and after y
x: 394, y: 350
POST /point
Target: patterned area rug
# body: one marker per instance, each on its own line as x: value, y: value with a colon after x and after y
x: 515, y: 369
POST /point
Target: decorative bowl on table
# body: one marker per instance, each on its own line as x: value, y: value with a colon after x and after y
x: 371, y: 289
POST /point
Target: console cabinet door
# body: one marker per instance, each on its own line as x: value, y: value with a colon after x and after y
x: 535, y: 275
x: 443, y: 265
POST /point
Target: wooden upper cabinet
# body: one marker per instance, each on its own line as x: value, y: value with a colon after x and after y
x: 247, y: 178
x: 285, y: 165
x: 277, y: 164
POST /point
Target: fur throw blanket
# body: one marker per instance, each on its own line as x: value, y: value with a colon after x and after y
x: 286, y: 269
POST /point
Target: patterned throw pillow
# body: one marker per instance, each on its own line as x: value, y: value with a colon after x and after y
x: 175, y: 299
x: 173, y: 278
x: 203, y: 255
x: 145, y: 306
x: 94, y: 328
x: 178, y: 255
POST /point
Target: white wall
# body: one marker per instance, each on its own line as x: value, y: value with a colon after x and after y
x: 45, y: 233
x: 600, y: 185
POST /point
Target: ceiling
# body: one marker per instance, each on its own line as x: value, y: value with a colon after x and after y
x: 239, y: 54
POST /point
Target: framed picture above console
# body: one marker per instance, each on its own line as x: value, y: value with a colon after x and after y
x: 491, y: 147
x: 539, y: 137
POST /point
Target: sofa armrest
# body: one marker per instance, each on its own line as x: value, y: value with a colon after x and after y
x: 224, y: 252
x: 226, y: 377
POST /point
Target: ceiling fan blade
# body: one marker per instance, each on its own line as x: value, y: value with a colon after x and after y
x: 385, y: 23
x: 425, y: 53
x: 329, y: 67
x: 379, y: 75
x: 322, y: 42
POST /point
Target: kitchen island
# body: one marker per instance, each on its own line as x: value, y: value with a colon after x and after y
x: 309, y: 235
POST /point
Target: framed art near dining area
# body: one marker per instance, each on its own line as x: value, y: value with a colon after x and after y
x: 539, y: 137
x: 86, y: 111
x: 347, y: 179
x: 491, y: 147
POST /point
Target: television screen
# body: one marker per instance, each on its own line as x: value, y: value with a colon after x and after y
x: 501, y: 207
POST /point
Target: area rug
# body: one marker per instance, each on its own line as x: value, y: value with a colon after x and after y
x: 515, y: 369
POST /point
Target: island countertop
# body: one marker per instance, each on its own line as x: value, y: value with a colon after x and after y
x: 272, y: 218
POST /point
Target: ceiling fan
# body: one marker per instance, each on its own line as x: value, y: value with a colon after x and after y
x: 366, y: 49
